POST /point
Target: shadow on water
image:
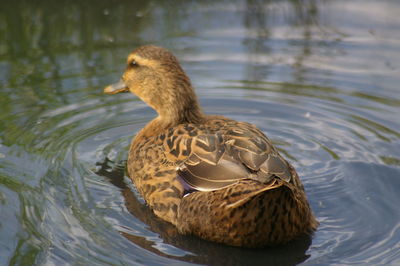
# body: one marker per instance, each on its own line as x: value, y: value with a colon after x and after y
x: 200, y: 251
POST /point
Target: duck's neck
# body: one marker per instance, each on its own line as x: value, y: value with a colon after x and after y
x: 181, y: 104
x: 181, y: 111
x: 170, y: 117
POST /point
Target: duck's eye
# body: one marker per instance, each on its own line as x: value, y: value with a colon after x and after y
x: 133, y: 63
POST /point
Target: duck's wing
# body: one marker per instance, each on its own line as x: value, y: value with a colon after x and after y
x: 209, y: 166
x: 217, y: 159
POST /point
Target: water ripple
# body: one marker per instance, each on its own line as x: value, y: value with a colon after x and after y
x: 326, y: 140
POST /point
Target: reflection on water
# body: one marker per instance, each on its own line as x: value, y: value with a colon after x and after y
x: 320, y: 78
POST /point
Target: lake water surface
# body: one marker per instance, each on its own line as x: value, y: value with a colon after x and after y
x: 320, y: 78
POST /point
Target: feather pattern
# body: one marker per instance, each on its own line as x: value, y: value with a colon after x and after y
x: 222, y: 156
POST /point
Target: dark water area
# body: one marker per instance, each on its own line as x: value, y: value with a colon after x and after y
x: 320, y: 78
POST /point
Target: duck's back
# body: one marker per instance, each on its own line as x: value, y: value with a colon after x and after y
x: 222, y: 180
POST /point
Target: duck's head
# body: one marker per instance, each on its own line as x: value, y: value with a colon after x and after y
x: 155, y: 76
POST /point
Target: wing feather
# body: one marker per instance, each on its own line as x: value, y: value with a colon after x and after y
x: 214, y: 159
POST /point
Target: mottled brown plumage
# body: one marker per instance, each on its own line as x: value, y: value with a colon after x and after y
x: 210, y: 176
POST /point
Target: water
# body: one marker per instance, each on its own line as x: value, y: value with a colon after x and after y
x: 319, y: 77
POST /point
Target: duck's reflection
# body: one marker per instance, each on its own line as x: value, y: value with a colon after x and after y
x: 198, y: 250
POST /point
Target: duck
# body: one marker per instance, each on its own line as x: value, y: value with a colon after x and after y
x: 210, y: 176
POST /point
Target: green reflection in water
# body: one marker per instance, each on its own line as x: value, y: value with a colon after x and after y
x: 375, y: 128
x: 390, y: 160
x: 308, y: 90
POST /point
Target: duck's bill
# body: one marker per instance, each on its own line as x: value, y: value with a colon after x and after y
x: 116, y: 88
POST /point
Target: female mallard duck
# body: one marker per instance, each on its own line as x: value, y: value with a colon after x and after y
x: 210, y: 176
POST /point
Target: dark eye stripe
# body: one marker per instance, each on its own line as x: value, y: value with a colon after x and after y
x: 133, y: 63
